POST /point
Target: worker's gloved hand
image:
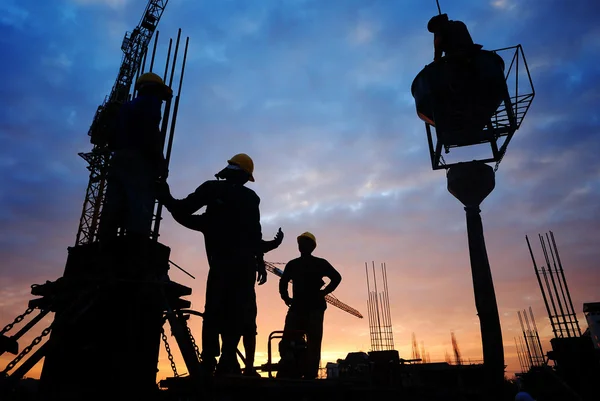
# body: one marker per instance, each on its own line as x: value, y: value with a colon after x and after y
x: 278, y: 237
x: 262, y: 272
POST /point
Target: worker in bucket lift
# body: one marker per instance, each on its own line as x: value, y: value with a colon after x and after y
x: 137, y: 163
x: 232, y: 236
x: 451, y: 38
x: 197, y: 222
x: 307, y: 305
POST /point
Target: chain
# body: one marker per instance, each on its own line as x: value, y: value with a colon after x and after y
x: 194, y: 342
x: 27, y: 349
x: 164, y: 338
x: 17, y: 320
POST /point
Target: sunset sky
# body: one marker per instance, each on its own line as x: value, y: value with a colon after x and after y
x: 318, y: 93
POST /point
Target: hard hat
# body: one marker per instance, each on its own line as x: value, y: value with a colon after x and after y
x: 150, y: 78
x: 309, y: 236
x: 244, y: 162
x: 436, y: 22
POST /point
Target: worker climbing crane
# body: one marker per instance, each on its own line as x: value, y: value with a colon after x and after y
x: 135, y: 51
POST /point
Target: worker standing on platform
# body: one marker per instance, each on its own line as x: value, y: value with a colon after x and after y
x: 451, y: 38
x: 137, y: 162
x: 307, y: 306
x: 232, y: 236
x: 198, y: 223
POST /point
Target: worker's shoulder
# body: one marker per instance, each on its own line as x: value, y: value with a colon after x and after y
x: 248, y: 193
x: 293, y: 262
x: 321, y: 261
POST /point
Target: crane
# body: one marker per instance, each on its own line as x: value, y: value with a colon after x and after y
x: 134, y: 47
x: 329, y: 298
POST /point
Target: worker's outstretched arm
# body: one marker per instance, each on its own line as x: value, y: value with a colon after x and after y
x: 192, y: 221
x: 283, y: 286
x: 188, y: 205
x: 335, y: 278
x: 268, y: 246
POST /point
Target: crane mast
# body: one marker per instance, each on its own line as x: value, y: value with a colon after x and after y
x: 134, y: 47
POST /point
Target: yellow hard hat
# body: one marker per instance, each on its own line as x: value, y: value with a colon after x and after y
x: 309, y: 236
x: 245, y: 162
x: 150, y: 78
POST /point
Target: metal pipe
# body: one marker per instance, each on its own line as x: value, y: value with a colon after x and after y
x: 175, y: 57
x: 174, y: 264
x: 537, y: 274
x: 560, y: 307
x: 144, y: 57
x: 376, y: 302
x: 165, y: 123
x: 530, y: 340
x: 369, y: 313
x: 553, y: 317
x: 176, y: 107
x: 525, y: 337
x: 519, y: 355
x: 153, y: 51
x: 562, y: 272
x: 537, y: 336
x: 168, y: 59
x: 387, y: 302
x: 527, y: 366
x: 570, y: 312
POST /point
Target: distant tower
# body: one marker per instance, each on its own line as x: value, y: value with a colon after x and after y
x: 380, y: 318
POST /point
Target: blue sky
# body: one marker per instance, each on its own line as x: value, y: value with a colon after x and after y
x: 318, y: 93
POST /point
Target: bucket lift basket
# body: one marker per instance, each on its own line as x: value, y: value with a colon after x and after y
x: 475, y: 99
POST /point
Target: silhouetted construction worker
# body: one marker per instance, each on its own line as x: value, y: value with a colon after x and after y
x: 451, y: 38
x: 232, y: 236
x: 198, y: 223
x: 137, y: 162
x: 307, y: 306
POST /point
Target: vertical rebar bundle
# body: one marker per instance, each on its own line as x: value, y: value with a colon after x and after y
x: 531, y: 349
x: 169, y: 120
x: 555, y: 291
x: 378, y: 307
x: 524, y: 361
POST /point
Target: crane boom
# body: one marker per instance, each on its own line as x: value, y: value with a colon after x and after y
x: 329, y: 298
x: 134, y: 47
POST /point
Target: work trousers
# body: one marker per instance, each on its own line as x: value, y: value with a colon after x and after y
x: 130, y: 195
x: 311, y: 323
x: 230, y: 304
